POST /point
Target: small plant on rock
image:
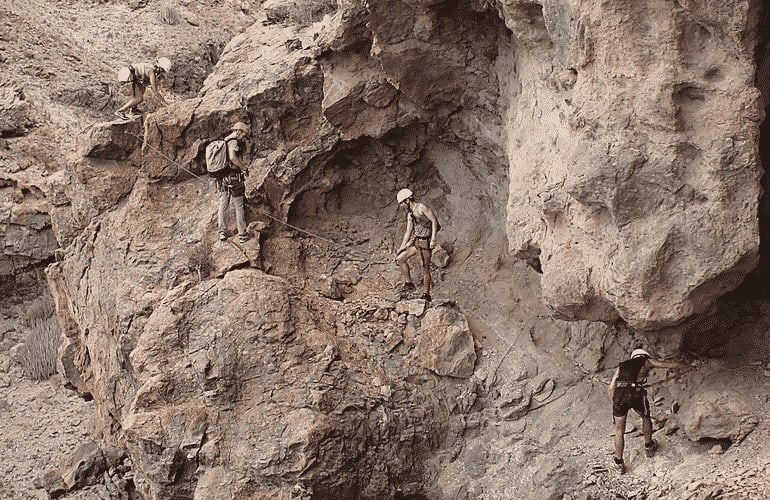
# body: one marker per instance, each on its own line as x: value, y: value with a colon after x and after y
x: 198, y: 256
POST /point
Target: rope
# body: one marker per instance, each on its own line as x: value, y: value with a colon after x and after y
x: 177, y: 164
x: 309, y: 233
x: 332, y: 242
x: 673, y: 376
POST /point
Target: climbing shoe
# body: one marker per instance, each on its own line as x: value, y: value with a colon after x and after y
x: 620, y: 465
x: 650, y: 448
x: 426, y: 297
x: 408, y: 286
x: 222, y: 236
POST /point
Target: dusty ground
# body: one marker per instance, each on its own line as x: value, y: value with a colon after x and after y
x: 41, y: 422
x: 54, y: 47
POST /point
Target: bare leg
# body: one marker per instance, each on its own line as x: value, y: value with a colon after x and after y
x: 425, y: 264
x: 401, y: 260
x: 647, y: 430
x: 137, y: 96
x: 620, y: 431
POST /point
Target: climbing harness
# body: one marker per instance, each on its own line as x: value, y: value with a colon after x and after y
x: 632, y: 385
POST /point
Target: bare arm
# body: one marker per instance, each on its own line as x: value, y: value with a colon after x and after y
x: 611, y: 388
x: 407, y: 235
x: 428, y: 212
x: 154, y: 88
x: 234, y: 155
x: 656, y: 363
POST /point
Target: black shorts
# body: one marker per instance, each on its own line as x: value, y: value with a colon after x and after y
x: 422, y: 243
x: 626, y: 398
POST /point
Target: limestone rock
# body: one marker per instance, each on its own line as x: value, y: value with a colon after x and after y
x: 445, y: 344
x: 111, y: 141
x: 84, y: 467
x: 221, y: 381
x: 620, y: 191
x: 15, y: 111
x: 718, y: 415
x: 25, y: 226
x: 226, y: 256
x: 329, y: 287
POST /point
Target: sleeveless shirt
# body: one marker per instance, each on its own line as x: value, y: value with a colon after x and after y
x: 423, y: 228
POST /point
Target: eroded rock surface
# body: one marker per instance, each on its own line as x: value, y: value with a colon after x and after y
x: 554, y: 130
x: 719, y: 416
x: 634, y: 169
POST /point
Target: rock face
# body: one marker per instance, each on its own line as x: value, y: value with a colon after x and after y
x: 446, y: 343
x: 224, y: 384
x: 633, y: 148
x: 15, y: 111
x: 716, y: 415
x: 286, y: 365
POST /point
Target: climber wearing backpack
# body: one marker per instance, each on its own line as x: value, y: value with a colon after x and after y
x: 627, y: 391
x: 224, y: 163
x: 419, y: 239
x: 139, y: 75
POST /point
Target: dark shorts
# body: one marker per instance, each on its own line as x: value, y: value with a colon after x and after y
x: 138, y: 88
x: 422, y: 243
x: 627, y: 398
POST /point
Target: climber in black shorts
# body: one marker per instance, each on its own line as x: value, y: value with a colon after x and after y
x: 627, y: 392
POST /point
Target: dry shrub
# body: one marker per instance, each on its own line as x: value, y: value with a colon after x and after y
x: 198, y: 258
x: 38, y: 353
x: 40, y: 308
x: 169, y: 15
x: 301, y: 12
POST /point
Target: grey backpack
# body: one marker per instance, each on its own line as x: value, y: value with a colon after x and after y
x: 217, y: 162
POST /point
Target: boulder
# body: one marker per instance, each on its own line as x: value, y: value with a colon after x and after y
x: 111, y: 140
x: 718, y: 415
x: 15, y: 111
x: 445, y: 343
x: 85, y: 467
x: 635, y: 210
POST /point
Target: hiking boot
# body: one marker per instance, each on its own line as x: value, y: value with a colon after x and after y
x: 222, y: 236
x: 408, y: 287
x: 620, y: 465
x: 650, y: 448
x: 243, y: 238
x: 121, y: 115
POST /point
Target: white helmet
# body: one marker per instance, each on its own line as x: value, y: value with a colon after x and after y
x: 242, y: 127
x: 637, y: 353
x: 163, y: 63
x: 403, y: 195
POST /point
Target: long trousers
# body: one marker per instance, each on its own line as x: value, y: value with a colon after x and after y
x: 240, y: 212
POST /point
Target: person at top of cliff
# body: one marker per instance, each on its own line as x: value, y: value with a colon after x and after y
x: 627, y: 391
x: 232, y: 184
x: 419, y: 239
x: 140, y: 75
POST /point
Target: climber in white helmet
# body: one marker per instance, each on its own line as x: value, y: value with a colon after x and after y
x: 419, y: 239
x: 140, y: 75
x: 627, y: 391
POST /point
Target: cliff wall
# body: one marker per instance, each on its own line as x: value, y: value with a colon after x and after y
x: 613, y: 146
